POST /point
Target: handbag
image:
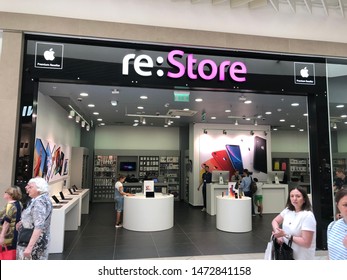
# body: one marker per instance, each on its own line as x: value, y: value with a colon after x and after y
x: 283, y: 251
x: 24, y: 236
x: 6, y: 254
x: 269, y: 252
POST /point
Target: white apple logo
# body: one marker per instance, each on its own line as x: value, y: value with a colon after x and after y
x: 304, y: 73
x: 49, y: 54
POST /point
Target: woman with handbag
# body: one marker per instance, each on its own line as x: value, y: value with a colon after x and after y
x: 9, y: 217
x: 36, y: 220
x: 296, y: 224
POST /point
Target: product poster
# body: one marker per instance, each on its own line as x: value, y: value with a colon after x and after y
x: 51, y: 160
x: 148, y: 186
x: 235, y: 151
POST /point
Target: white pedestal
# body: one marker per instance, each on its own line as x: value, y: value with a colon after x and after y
x: 234, y: 215
x: 212, y: 191
x: 148, y: 214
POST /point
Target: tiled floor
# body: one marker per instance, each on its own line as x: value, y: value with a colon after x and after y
x: 194, y: 236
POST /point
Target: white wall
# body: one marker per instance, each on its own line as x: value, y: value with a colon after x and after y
x: 54, y: 126
x: 137, y: 138
x: 0, y: 42
x: 289, y: 141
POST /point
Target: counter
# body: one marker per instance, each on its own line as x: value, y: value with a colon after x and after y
x: 234, y: 215
x: 148, y: 214
x: 274, y: 198
x: 138, y: 187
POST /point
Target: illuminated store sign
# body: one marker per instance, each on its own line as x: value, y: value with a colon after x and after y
x: 206, y: 69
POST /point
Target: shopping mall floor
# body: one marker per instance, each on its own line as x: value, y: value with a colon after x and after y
x: 194, y: 236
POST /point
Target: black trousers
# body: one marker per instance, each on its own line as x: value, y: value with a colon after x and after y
x: 204, y: 194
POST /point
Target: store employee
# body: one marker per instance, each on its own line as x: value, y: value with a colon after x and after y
x: 206, y: 179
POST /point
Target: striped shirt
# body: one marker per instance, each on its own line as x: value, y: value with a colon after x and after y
x: 336, y: 233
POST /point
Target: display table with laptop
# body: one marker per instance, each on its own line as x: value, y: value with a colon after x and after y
x: 143, y: 213
x: 234, y: 215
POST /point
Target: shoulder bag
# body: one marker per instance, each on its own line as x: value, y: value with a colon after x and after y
x: 283, y: 251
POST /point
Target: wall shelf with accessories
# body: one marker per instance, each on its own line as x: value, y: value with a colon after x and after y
x: 148, y: 167
x: 170, y: 174
x: 105, y: 171
x: 339, y: 161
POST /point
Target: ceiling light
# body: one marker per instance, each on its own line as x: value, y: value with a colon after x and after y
x: 275, y: 129
x: 99, y: 120
x: 136, y: 121
x: 78, y: 118
x: 343, y: 116
x: 96, y: 113
x: 186, y: 109
x: 143, y: 97
x: 248, y: 102
x: 135, y: 124
x: 84, y: 94
x: 340, y: 106
x: 71, y: 114
x: 115, y: 91
x: 205, y: 131
x: 91, y: 105
x: 305, y: 115
x: 140, y: 107
x: 301, y: 129
x: 255, y: 122
x: 295, y: 104
x: 87, y: 127
x: 198, y: 99
x: 224, y: 132
x: 268, y: 113
x: 292, y: 125
x: 334, y: 125
x: 282, y: 120
x: 227, y: 111
x: 143, y: 121
x: 213, y: 118
x: 114, y: 102
x: 102, y: 124
x: 83, y: 123
x: 236, y: 122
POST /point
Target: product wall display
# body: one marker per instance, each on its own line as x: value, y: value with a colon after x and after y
x: 105, y: 172
x: 170, y: 173
x: 148, y: 167
x: 296, y: 169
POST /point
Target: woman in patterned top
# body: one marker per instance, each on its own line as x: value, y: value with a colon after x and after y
x: 337, y: 230
x: 37, y: 215
x: 9, y: 217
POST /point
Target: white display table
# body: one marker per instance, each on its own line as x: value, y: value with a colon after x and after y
x: 83, y: 206
x: 234, y: 215
x: 64, y: 218
x: 212, y: 190
x: 148, y: 214
x: 274, y: 198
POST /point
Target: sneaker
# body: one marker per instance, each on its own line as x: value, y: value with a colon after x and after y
x: 118, y: 225
x: 203, y: 209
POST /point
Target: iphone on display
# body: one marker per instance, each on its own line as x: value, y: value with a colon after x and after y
x: 235, y: 157
x: 260, y: 159
x: 223, y: 160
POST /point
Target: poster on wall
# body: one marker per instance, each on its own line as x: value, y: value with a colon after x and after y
x: 51, y: 160
x: 234, y: 152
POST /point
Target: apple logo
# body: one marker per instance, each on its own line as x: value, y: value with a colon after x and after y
x: 49, y: 54
x: 304, y: 73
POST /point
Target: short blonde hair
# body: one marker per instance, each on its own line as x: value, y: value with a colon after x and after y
x: 40, y: 183
x: 14, y: 192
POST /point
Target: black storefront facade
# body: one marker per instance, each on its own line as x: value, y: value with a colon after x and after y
x: 115, y: 63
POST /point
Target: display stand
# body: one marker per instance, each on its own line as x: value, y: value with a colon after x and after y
x: 234, y: 215
x: 148, y: 214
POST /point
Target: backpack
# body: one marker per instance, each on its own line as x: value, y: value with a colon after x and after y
x: 253, y: 186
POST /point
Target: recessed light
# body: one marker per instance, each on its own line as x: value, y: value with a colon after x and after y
x: 84, y: 94
x: 114, y: 102
x: 91, y: 105
x: 248, y: 102
x: 99, y: 120
x: 343, y: 116
x: 143, y: 97
x: 227, y: 111
x: 102, y: 123
x: 186, y: 109
x: 268, y: 113
x: 301, y: 129
x: 275, y: 129
x: 305, y: 115
x: 198, y: 99
x: 213, y: 118
x: 295, y: 104
x: 292, y: 125
x: 96, y: 113
x: 140, y: 107
x: 340, y: 106
x: 136, y: 121
x: 282, y: 120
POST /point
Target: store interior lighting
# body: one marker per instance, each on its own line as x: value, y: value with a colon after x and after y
x: 224, y: 132
x: 205, y: 131
x: 79, y: 118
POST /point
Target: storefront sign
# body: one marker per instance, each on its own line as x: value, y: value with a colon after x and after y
x: 186, y: 65
x: 304, y: 73
x: 49, y: 55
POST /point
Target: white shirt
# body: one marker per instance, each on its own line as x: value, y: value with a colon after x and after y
x: 293, y: 224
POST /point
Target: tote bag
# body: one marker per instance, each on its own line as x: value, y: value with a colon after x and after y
x: 269, y: 252
x: 6, y: 254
